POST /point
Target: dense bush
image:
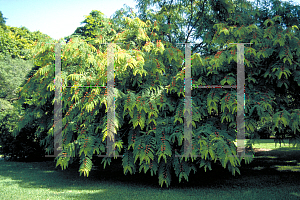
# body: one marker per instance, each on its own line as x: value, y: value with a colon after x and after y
x: 25, y: 144
x: 149, y: 98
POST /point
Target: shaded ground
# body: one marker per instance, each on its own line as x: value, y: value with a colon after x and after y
x: 269, y: 168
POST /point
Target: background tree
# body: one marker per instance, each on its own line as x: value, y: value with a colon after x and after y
x: 12, y: 75
x: 2, y: 20
x: 18, y: 42
x: 96, y: 29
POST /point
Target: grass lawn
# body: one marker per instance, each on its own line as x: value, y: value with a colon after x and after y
x: 269, y: 144
x: 272, y: 175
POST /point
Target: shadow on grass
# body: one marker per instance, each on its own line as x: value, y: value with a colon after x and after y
x: 272, y: 173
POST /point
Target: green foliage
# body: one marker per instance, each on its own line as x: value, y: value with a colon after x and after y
x: 2, y: 20
x: 149, y: 92
x: 18, y: 42
x: 151, y: 99
x: 25, y: 144
x: 12, y: 74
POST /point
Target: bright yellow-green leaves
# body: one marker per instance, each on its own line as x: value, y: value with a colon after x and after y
x: 18, y: 42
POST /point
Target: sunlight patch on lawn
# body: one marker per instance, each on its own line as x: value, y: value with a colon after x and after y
x: 48, y: 171
x: 268, y: 157
x: 40, y: 191
x: 76, y: 191
x: 287, y: 168
x: 296, y: 194
x: 8, y: 181
x: 258, y: 168
x: 291, y: 161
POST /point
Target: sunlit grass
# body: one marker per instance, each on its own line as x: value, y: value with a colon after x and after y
x: 270, y: 144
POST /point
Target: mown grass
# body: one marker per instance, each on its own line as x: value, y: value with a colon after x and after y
x: 272, y: 175
x: 270, y: 143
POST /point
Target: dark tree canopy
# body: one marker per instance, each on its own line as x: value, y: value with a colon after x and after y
x: 2, y: 20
